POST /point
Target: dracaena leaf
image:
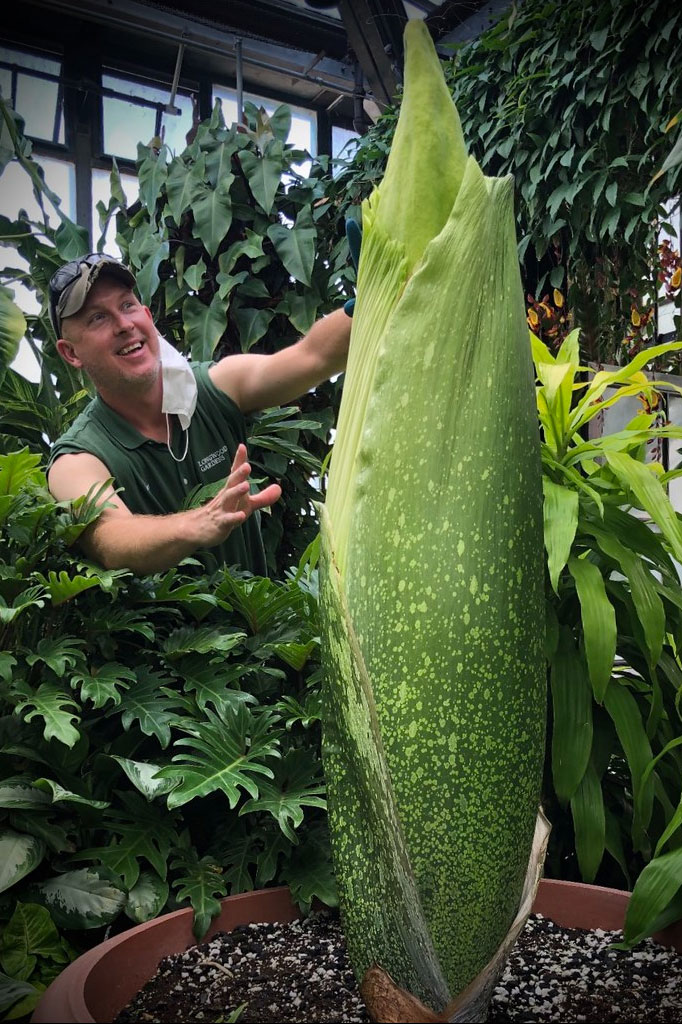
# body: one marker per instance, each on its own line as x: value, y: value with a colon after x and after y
x: 572, y: 720
x: 587, y: 807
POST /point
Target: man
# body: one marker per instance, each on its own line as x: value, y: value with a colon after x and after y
x: 159, y: 427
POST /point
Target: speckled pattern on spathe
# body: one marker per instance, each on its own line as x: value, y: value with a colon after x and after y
x: 300, y: 972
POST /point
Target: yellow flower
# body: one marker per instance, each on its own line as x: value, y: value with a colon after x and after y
x: 558, y: 298
x: 533, y: 318
x: 635, y: 318
x: 676, y: 279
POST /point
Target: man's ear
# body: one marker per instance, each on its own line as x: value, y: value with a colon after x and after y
x: 67, y: 352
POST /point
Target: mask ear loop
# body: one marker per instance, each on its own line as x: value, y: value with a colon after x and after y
x: 168, y: 442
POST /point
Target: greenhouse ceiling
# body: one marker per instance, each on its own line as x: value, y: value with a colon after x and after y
x: 341, y: 58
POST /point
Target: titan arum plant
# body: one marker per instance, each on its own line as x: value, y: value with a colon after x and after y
x: 432, y: 572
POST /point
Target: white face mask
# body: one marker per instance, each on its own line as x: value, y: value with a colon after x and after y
x: 179, y: 384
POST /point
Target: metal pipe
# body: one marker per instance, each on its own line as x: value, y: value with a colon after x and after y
x: 170, y: 106
x: 239, y: 70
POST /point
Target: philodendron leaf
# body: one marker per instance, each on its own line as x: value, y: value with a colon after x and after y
x: 147, y: 277
x: 147, y: 898
x: 251, y: 246
x: 57, y: 709
x: 7, y: 663
x: 204, y: 325
x: 62, y: 587
x: 183, y: 185
x: 297, y: 783
x: 229, y: 752
x: 213, y: 214
x: 310, y: 875
x: 12, y: 329
x: 211, y: 683
x: 296, y: 246
x: 103, y: 683
x: 19, y: 855
x: 152, y: 174
x: 58, y: 654
x: 200, y: 882
x: 82, y: 899
x: 252, y: 324
x: 203, y: 641
x: 149, y: 704
x: 233, y: 847
x: 70, y: 239
x: 263, y: 172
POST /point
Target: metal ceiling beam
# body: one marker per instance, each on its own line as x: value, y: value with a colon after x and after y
x: 161, y: 24
x: 375, y: 29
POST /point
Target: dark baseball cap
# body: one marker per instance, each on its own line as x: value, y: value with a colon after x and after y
x: 69, y: 286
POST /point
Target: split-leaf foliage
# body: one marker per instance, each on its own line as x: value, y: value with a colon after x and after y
x: 158, y: 735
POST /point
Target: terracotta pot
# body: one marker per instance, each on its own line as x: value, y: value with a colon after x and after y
x: 97, y: 985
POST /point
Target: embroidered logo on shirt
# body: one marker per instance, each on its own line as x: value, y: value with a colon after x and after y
x: 209, y: 461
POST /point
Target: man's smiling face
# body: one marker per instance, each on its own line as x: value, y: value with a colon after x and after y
x: 112, y: 338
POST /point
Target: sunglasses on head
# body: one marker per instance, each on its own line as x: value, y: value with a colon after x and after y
x: 66, y: 275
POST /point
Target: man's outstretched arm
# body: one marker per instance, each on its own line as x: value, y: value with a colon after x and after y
x: 120, y: 539
x: 262, y: 381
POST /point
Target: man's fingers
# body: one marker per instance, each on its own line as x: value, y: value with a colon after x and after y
x: 268, y: 496
x: 239, y: 457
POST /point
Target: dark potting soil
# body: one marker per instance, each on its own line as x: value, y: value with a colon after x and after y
x: 300, y: 972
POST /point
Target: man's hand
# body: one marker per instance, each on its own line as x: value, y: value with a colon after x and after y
x: 232, y: 505
x: 120, y: 539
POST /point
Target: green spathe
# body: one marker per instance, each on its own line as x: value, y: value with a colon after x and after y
x: 432, y: 570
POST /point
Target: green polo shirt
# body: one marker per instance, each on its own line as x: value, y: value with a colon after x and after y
x: 152, y: 482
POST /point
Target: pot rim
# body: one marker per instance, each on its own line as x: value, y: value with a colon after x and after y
x: 95, y: 987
